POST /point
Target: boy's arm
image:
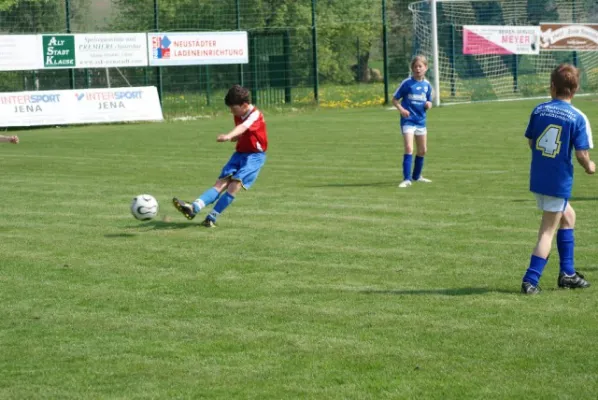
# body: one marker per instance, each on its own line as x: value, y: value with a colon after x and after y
x: 583, y: 158
x: 233, y: 135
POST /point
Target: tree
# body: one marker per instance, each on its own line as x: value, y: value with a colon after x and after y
x: 38, y: 16
x: 340, y: 23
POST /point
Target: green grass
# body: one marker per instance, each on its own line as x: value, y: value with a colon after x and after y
x: 323, y: 281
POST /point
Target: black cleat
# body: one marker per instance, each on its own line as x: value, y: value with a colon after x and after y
x: 572, y: 282
x: 208, y: 223
x: 528, y: 288
x: 184, y: 208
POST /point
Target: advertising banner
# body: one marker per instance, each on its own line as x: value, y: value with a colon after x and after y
x: 64, y: 107
x: 197, y: 48
x: 501, y: 40
x: 106, y: 50
x: 102, y: 50
x: 20, y: 52
x: 58, y: 51
x: 569, y: 37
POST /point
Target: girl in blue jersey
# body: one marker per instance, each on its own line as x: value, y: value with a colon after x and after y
x: 555, y: 129
x: 413, y: 98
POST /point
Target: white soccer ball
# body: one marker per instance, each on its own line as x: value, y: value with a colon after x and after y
x: 144, y: 207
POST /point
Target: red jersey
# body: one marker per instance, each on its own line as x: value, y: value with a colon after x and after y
x: 255, y: 138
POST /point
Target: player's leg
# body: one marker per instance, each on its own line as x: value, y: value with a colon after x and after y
x: 408, y: 133
x: 421, y: 141
x: 565, y: 241
x: 243, y: 179
x: 212, y: 194
x: 551, y: 217
x: 190, y: 209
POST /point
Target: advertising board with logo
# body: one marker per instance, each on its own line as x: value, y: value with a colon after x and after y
x: 501, y: 40
x: 64, y: 107
x: 102, y: 50
x: 197, y: 48
x: 569, y: 37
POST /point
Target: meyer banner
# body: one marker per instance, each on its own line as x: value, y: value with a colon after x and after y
x: 197, y: 48
x: 569, y: 37
x: 501, y: 40
x: 65, y: 107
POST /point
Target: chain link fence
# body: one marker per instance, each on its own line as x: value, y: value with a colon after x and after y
x: 302, y: 52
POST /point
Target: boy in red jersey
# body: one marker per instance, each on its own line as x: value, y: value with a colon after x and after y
x: 242, y: 169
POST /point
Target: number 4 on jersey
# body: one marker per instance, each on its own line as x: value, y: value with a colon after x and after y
x: 549, y: 141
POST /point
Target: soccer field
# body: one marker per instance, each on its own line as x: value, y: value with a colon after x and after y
x: 324, y: 281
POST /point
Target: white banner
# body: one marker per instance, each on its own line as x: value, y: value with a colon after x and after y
x: 500, y: 39
x: 197, y: 48
x: 108, y: 50
x: 63, y: 107
x: 20, y: 52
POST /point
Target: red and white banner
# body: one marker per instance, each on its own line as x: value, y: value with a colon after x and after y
x: 501, y: 40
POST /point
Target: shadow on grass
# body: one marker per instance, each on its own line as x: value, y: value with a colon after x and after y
x: 444, y: 292
x: 341, y: 185
x: 151, y: 225
x: 119, y: 235
x: 169, y: 225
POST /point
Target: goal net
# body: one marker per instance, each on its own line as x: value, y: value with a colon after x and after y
x: 487, y: 77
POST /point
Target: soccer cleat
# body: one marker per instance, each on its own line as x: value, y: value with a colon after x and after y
x: 572, y: 282
x: 184, y: 208
x: 208, y: 223
x: 405, y: 183
x: 424, y: 180
x: 528, y: 288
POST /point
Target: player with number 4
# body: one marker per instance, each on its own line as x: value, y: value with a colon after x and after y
x: 555, y: 129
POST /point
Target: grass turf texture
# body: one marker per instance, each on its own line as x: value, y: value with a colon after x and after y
x: 324, y: 281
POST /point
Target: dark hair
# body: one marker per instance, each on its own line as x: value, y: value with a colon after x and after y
x: 565, y: 80
x: 237, y: 96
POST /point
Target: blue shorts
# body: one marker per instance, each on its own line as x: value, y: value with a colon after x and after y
x: 243, y: 167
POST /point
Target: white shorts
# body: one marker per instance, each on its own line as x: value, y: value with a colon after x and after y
x: 414, y: 130
x: 551, y: 204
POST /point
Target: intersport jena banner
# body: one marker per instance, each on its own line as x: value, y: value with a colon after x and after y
x: 501, y: 40
x: 86, y: 106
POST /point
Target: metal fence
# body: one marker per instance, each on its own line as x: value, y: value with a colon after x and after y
x: 302, y: 52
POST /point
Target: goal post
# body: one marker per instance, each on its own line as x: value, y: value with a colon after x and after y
x: 492, y: 71
x: 435, y: 56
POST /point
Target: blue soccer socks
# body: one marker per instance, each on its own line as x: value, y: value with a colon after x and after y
x: 219, y: 208
x: 207, y: 198
x: 565, y: 243
x: 419, y: 166
x: 407, y: 161
x: 534, y: 272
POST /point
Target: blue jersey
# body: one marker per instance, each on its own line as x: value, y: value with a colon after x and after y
x: 414, y: 95
x: 555, y: 129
